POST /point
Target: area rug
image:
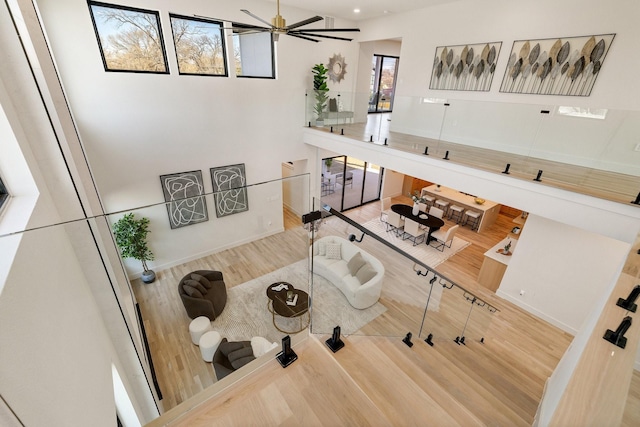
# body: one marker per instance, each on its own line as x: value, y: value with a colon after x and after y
x: 427, y: 254
x: 247, y: 315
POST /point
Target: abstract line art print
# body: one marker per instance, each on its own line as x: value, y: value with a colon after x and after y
x: 465, y: 67
x: 184, y: 194
x: 229, y: 191
x: 565, y: 66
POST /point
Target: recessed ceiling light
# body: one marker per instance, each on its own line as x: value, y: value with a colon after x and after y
x: 356, y: 10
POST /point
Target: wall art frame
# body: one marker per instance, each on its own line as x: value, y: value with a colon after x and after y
x: 184, y: 194
x: 229, y: 189
x: 468, y: 67
x: 566, y: 66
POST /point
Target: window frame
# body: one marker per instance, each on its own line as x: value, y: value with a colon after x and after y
x: 222, y: 39
x: 154, y: 13
x: 238, y: 32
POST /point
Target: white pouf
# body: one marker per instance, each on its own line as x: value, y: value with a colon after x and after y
x: 198, y: 327
x: 209, y: 343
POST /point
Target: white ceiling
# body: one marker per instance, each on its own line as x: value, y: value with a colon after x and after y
x: 368, y: 8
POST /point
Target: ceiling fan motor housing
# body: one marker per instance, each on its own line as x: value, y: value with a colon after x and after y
x: 279, y: 22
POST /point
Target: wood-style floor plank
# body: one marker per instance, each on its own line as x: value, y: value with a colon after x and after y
x: 499, y: 382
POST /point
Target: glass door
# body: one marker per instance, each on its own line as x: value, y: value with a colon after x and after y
x: 383, y: 83
x: 348, y: 182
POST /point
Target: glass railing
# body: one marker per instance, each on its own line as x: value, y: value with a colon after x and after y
x: 526, y: 140
x: 401, y: 293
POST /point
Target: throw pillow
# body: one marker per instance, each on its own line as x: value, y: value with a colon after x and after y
x: 365, y: 273
x: 333, y: 251
x: 191, y: 291
x: 196, y: 285
x: 322, y: 248
x: 355, y: 263
x: 261, y: 345
x: 203, y: 280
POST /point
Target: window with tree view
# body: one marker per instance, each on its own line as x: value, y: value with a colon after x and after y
x: 199, y: 46
x: 129, y: 39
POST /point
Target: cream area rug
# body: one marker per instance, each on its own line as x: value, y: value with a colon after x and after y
x: 247, y: 315
x: 427, y: 254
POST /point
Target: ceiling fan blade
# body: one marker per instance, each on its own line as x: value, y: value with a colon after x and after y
x: 329, y: 30
x: 241, y: 26
x: 302, y: 37
x: 305, y: 22
x: 256, y: 17
x: 297, y: 33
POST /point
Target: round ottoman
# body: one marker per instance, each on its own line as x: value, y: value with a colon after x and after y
x: 198, y: 327
x: 209, y: 343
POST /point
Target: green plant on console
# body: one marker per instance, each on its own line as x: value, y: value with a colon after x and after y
x: 131, y: 237
x: 320, y: 89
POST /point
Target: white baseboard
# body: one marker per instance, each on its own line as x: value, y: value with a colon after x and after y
x: 164, y: 266
x: 537, y: 313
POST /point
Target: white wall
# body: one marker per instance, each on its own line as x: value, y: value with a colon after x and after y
x: 502, y: 121
x: 136, y: 127
x: 562, y: 270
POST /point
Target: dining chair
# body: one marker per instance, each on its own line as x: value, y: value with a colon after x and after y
x: 413, y: 232
x: 436, y: 212
x: 422, y: 206
x: 442, y: 237
x: 385, y: 207
x: 395, y: 223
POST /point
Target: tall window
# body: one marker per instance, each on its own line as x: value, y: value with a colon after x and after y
x: 254, y: 54
x: 199, y: 46
x: 4, y: 195
x: 129, y: 39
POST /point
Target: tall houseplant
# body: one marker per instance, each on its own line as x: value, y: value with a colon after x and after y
x: 131, y: 237
x: 320, y: 90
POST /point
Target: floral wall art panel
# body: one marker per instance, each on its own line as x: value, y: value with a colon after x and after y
x: 563, y: 66
x: 229, y: 189
x: 465, y: 67
x: 184, y: 193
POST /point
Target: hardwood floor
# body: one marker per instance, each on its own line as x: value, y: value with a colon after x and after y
x: 376, y: 379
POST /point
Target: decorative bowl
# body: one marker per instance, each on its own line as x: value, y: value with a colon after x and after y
x: 479, y: 201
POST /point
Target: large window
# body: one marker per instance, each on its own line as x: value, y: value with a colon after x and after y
x: 199, y: 46
x: 129, y: 39
x: 253, y: 54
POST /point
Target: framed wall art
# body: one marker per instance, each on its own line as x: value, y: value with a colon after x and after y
x: 184, y: 193
x: 562, y: 66
x: 465, y: 67
x: 229, y: 189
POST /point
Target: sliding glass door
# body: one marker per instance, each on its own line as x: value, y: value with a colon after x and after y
x: 348, y: 182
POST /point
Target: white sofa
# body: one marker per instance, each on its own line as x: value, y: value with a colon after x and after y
x: 337, y: 271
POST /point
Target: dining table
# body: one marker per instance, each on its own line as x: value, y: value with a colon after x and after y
x: 423, y: 218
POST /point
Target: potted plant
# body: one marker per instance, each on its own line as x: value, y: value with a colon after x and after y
x: 131, y: 237
x: 320, y: 90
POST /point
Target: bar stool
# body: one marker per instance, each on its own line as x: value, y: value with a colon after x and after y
x: 473, y: 218
x: 428, y: 200
x: 455, y: 213
x: 444, y: 205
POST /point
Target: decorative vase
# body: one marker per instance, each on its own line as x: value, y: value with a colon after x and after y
x: 416, y: 210
x: 148, y: 276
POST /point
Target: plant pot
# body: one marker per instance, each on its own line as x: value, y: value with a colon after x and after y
x: 415, y: 210
x: 319, y: 123
x: 148, y: 276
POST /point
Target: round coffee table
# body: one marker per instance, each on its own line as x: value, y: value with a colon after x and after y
x: 277, y: 305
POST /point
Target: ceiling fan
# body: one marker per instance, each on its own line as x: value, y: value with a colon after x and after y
x: 279, y: 26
